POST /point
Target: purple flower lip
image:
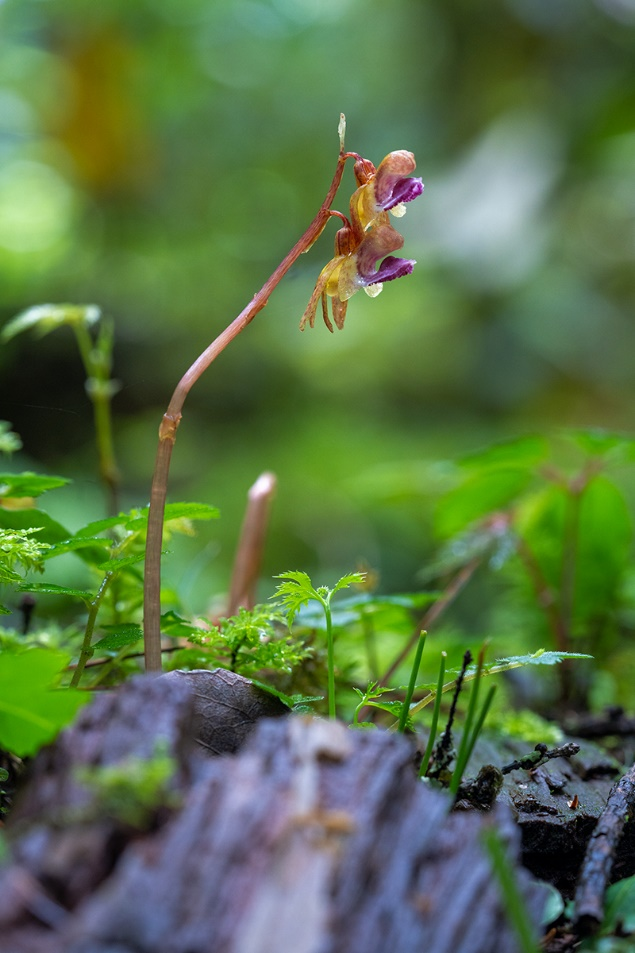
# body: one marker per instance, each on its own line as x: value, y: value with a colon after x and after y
x: 390, y: 269
x: 393, y: 183
x: 404, y: 190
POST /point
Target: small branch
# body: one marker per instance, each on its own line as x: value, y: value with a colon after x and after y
x: 444, y: 752
x: 600, y: 854
x: 242, y: 590
x: 172, y: 417
x: 540, y: 755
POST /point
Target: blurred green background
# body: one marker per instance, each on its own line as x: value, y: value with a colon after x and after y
x: 159, y: 159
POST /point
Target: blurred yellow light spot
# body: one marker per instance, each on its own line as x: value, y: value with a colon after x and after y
x: 36, y: 206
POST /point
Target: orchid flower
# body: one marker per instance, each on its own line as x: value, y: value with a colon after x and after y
x: 367, y: 237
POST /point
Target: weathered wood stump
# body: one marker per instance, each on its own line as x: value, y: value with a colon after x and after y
x: 313, y: 838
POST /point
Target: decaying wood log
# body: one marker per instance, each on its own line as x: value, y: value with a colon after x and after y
x: 600, y: 855
x: 314, y: 838
x: 557, y: 806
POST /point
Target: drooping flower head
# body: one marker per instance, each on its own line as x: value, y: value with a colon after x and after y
x: 367, y: 237
x: 387, y: 188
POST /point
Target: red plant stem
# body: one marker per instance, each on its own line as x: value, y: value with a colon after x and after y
x: 172, y: 418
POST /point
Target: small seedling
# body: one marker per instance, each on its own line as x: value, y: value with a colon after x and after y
x: 296, y: 591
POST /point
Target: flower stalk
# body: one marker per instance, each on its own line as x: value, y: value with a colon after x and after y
x: 368, y: 237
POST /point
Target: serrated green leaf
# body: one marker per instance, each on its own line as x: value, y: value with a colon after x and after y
x: 123, y: 562
x: 118, y: 637
x: 32, y: 709
x: 100, y: 526
x: 296, y: 590
x: 20, y: 485
x: 495, y: 668
x: 352, y: 579
x: 175, y: 511
x: 47, y: 588
x: 47, y: 317
x: 75, y: 543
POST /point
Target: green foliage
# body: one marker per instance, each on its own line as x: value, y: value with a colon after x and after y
x: 133, y: 789
x: 44, y: 318
x: 251, y: 642
x: 17, y: 486
x: 296, y: 591
x: 541, y: 657
x: 618, y: 927
x: 554, y: 524
x: 32, y: 706
x: 17, y: 547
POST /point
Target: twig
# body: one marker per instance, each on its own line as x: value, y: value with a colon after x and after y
x: 540, y: 755
x: 600, y: 854
x: 444, y: 752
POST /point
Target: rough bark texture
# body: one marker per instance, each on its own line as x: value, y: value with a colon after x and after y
x: 601, y: 853
x: 313, y: 838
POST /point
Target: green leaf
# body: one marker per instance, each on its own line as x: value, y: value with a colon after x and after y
x: 589, y: 533
x: 175, y: 511
x: 118, y: 637
x: 352, y: 579
x: 32, y: 709
x: 524, y: 453
x: 47, y: 317
x: 50, y: 531
x: 603, y: 443
x: 177, y: 627
x: 20, y: 485
x: 298, y: 703
x: 78, y: 542
x: 495, y: 668
x: 47, y: 588
x: 478, y: 495
x: 602, y: 551
x: 100, y: 526
x: 619, y: 907
x: 295, y: 592
x: 122, y: 562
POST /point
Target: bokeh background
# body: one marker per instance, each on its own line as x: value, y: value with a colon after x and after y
x: 159, y: 157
